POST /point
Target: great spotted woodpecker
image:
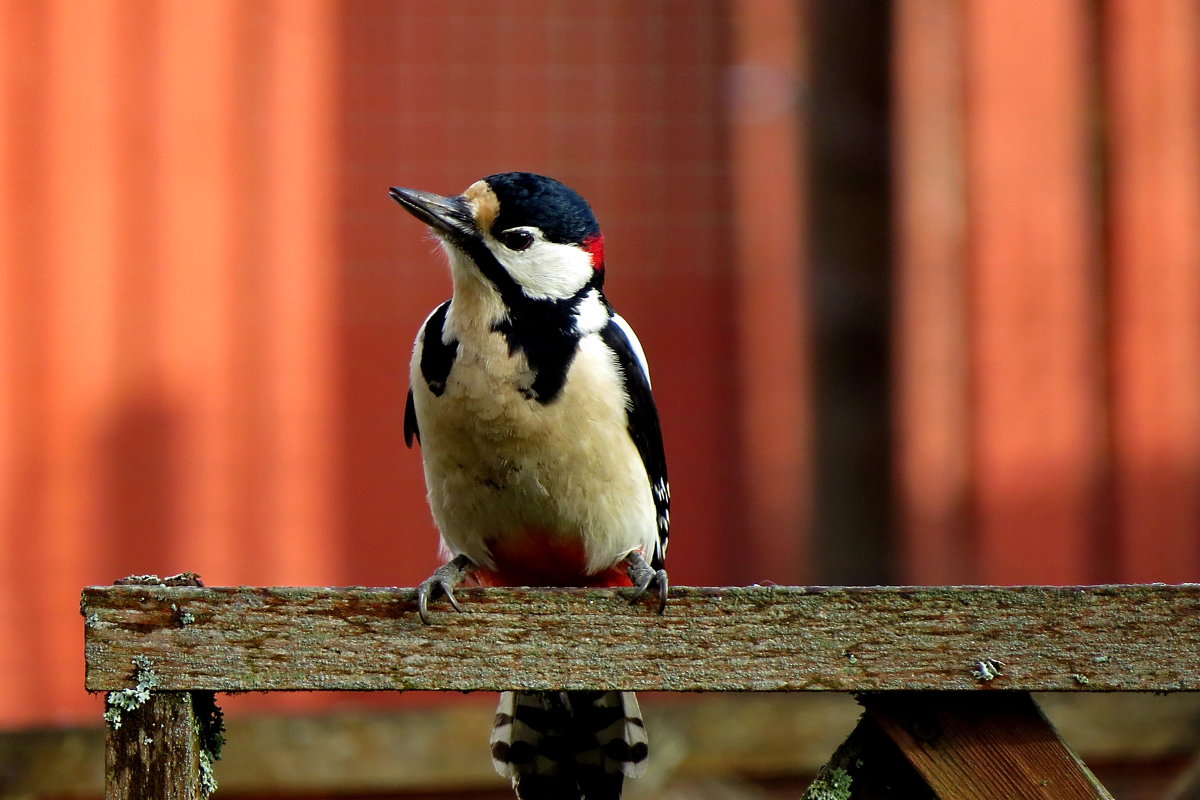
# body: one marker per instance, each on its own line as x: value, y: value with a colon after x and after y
x: 543, y: 457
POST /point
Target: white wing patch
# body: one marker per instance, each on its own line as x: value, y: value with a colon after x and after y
x: 634, y: 345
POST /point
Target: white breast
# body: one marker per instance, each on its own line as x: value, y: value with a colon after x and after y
x: 498, y: 464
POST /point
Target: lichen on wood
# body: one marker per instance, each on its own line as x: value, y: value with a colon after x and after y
x: 120, y: 701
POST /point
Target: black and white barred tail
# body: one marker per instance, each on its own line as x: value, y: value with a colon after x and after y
x: 569, y: 745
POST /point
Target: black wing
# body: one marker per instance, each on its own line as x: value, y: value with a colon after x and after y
x: 643, y: 424
x: 411, y: 431
x: 437, y: 358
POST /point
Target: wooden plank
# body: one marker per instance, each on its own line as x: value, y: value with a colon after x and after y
x: 25, y: 328
x: 1107, y: 638
x: 984, y: 746
x: 1152, y: 58
x: 155, y: 751
x: 298, y: 377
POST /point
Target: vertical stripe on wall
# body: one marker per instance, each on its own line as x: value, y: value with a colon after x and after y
x: 930, y: 340
x: 167, y: 264
x: 1153, y: 110
x: 1034, y: 292
x: 767, y: 85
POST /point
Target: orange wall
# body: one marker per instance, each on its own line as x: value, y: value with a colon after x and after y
x: 1047, y: 340
x: 207, y: 300
x: 168, y: 293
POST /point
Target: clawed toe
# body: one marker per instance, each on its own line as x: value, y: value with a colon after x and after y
x: 643, y: 577
x: 441, y: 583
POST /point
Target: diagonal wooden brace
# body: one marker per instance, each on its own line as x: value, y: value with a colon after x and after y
x: 955, y: 746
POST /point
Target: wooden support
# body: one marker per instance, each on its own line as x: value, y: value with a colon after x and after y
x: 154, y: 751
x: 695, y: 738
x: 955, y: 746
x: 946, y: 671
x: 868, y: 766
x: 983, y: 746
x: 160, y: 744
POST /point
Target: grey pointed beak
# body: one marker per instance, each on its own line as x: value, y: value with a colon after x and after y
x: 447, y: 215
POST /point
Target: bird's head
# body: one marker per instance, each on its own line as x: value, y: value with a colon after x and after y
x: 531, y: 237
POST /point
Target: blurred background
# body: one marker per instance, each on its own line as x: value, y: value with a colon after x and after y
x: 919, y: 282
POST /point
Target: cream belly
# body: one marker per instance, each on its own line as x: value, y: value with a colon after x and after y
x: 500, y: 467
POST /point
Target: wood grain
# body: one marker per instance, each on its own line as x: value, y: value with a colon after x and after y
x: 155, y: 753
x: 1105, y: 638
x: 994, y: 746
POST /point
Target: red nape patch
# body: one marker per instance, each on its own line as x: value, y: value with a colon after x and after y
x: 534, y: 558
x: 594, y: 244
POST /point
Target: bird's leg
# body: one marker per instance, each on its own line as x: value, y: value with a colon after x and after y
x: 442, y: 582
x: 644, y: 576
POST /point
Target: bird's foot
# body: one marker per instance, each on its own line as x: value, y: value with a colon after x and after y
x: 442, y: 582
x: 644, y: 576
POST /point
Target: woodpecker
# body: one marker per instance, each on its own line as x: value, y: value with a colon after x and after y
x: 530, y: 398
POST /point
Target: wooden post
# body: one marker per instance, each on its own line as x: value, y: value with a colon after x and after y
x: 160, y: 745
x: 154, y: 751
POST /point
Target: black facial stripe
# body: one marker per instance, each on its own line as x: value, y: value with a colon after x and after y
x: 543, y: 329
x: 493, y: 270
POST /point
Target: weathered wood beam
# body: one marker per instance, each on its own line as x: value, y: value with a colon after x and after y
x: 1105, y: 638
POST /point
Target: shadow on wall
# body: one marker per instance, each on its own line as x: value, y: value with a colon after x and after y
x: 139, y: 472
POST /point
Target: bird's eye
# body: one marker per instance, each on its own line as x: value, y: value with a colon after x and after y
x: 516, y: 239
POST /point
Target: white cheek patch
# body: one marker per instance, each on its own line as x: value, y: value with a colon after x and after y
x: 547, y: 270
